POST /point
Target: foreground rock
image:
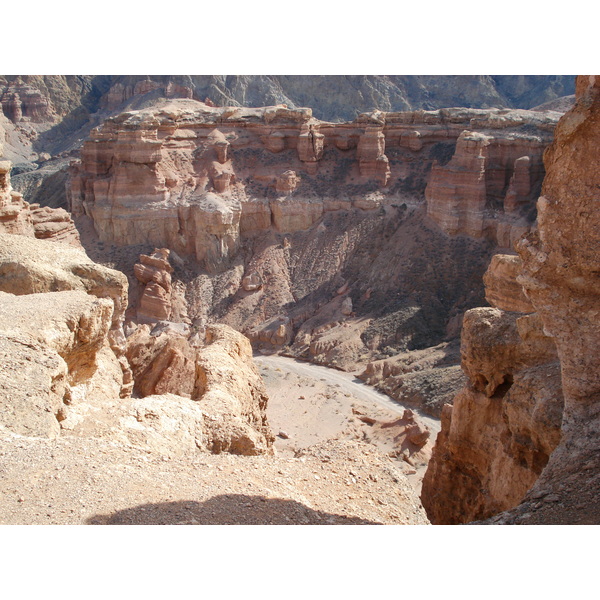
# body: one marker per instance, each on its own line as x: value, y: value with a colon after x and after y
x: 29, y: 266
x: 552, y: 444
x: 65, y: 367
x: 499, y: 433
x: 560, y: 277
x: 55, y: 351
x: 217, y: 375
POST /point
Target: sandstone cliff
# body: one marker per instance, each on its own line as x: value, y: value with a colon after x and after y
x: 513, y: 410
x: 560, y: 278
x: 205, y: 175
x: 502, y: 427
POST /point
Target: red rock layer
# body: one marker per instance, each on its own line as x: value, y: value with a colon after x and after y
x: 194, y: 178
x: 154, y: 272
x: 489, y: 186
x: 23, y: 102
x: 559, y: 276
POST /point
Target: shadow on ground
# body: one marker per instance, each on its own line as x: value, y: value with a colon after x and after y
x: 228, y: 509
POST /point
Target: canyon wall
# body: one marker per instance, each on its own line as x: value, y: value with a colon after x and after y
x: 205, y: 175
x: 560, y: 277
x: 501, y: 428
x: 331, y: 241
x: 558, y: 431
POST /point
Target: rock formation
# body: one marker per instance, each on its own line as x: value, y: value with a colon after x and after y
x: 22, y: 102
x: 216, y: 373
x: 489, y: 186
x: 30, y: 266
x: 222, y: 186
x: 192, y: 177
x: 510, y: 442
x: 154, y: 273
x: 502, y: 289
x: 14, y: 214
x: 502, y: 427
x: 52, y: 345
x: 64, y: 364
x: 560, y: 278
x: 21, y: 218
x: 371, y: 158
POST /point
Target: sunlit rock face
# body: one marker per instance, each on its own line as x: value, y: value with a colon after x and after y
x: 558, y: 274
x: 195, y: 178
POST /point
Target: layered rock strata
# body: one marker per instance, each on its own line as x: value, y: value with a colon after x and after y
x: 272, y: 210
x: 23, y: 102
x: 154, y: 273
x: 490, y: 185
x: 197, y: 178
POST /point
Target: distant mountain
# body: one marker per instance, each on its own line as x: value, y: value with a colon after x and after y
x: 332, y: 97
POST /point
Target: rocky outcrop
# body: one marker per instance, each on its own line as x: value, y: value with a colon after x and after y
x: 216, y: 372
x: 502, y: 427
x: 30, y: 266
x: 22, y: 102
x: 373, y: 162
x: 14, y: 214
x: 558, y: 275
x: 490, y: 185
x: 560, y: 278
x: 54, y: 224
x: 456, y: 194
x: 50, y: 345
x: 21, y: 218
x: 233, y: 394
x: 502, y: 289
x: 154, y: 273
x: 64, y: 366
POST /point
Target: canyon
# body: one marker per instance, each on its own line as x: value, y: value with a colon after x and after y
x: 429, y: 253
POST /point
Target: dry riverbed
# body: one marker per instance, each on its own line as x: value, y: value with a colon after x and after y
x: 310, y: 404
